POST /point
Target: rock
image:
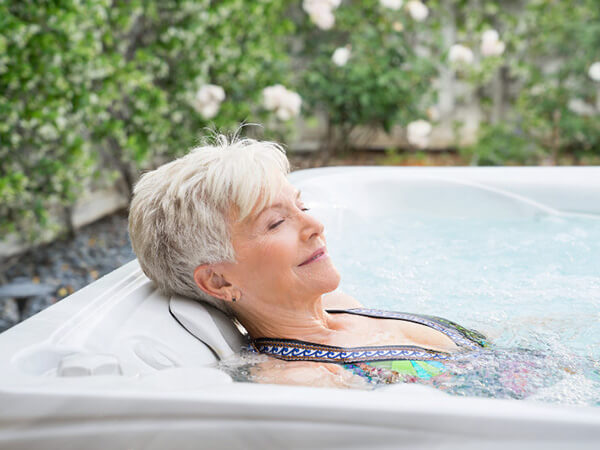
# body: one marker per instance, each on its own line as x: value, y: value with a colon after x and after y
x: 9, y: 311
x: 101, y: 247
x: 35, y: 305
x: 24, y: 289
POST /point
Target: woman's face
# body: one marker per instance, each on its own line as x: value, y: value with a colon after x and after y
x: 272, y: 248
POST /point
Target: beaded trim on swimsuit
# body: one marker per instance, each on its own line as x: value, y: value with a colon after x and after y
x: 295, y: 350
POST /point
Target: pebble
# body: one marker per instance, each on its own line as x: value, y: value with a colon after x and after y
x: 47, y: 274
x: 23, y: 289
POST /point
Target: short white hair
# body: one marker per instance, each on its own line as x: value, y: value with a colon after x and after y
x: 180, y: 214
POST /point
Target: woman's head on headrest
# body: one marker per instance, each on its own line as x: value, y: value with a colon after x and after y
x: 181, y: 213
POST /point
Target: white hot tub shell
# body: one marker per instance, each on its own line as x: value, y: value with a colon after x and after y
x: 109, y: 367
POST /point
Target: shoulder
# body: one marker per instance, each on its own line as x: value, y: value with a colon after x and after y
x: 339, y: 300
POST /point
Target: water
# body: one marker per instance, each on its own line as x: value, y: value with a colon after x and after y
x: 531, y: 285
x: 526, y: 283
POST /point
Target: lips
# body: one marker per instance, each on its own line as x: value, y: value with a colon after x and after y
x: 314, y: 256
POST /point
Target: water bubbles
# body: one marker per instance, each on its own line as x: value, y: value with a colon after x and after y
x: 532, y: 283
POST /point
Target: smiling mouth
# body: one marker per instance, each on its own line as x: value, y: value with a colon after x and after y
x: 316, y: 256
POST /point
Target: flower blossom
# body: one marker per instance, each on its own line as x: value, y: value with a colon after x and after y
x: 208, y: 100
x: 460, y: 54
x: 491, y: 45
x: 417, y: 133
x: 391, y: 4
x: 48, y: 132
x: 321, y: 12
x: 284, y: 102
x: 417, y: 10
x: 580, y: 107
x: 594, y: 71
x: 341, y: 56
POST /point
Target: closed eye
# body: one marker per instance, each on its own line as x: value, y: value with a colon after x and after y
x: 276, y: 224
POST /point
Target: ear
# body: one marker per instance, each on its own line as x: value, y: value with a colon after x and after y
x: 213, y: 283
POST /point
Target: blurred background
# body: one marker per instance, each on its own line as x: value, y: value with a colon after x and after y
x: 94, y: 92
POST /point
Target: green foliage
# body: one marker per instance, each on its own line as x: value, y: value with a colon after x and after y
x: 550, y: 47
x: 499, y: 144
x: 94, y: 90
x: 563, y: 40
x: 384, y: 80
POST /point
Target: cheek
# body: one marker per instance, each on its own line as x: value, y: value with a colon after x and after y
x: 270, y: 254
x: 278, y: 251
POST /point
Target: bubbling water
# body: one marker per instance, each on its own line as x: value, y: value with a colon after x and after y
x: 531, y: 285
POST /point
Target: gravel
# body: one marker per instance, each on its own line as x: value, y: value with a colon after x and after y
x: 45, y: 275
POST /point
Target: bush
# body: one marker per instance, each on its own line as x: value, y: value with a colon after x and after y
x: 94, y: 90
x: 384, y: 79
x: 499, y: 144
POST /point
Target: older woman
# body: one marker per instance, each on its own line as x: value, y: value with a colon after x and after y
x: 223, y: 225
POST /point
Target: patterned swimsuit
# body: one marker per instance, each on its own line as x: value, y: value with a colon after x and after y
x: 385, y: 363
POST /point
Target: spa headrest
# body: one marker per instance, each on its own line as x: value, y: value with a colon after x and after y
x: 209, y: 325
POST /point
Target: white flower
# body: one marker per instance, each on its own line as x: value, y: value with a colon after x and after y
x: 460, y: 54
x: 580, y: 107
x: 341, y: 56
x: 210, y: 93
x: 491, y: 45
x: 310, y: 5
x: 594, y: 71
x: 285, y: 103
x: 323, y: 19
x: 272, y: 96
x: 61, y: 122
x: 417, y: 10
x: 492, y: 48
x: 391, y: 4
x: 209, y: 110
x: 208, y: 100
x: 417, y: 133
x: 321, y: 12
x: 490, y: 35
x: 48, y: 132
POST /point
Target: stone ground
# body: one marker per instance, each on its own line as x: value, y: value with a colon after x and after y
x: 41, y: 277
x: 45, y: 275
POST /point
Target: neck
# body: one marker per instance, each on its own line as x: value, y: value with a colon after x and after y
x: 308, y: 322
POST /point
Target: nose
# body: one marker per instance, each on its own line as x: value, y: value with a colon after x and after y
x: 311, y: 227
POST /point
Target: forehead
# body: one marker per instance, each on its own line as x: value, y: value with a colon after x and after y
x: 286, y: 194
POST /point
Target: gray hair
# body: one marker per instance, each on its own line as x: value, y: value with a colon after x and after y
x: 180, y: 214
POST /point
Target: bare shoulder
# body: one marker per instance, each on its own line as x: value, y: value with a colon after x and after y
x: 340, y: 300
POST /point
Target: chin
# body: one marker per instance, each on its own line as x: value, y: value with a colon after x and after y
x: 332, y: 281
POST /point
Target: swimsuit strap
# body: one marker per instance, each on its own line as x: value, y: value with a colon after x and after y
x: 463, y: 337
x: 296, y: 350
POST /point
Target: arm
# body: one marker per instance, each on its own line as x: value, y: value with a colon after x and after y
x: 306, y: 373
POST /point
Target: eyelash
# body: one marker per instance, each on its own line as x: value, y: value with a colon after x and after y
x: 276, y: 224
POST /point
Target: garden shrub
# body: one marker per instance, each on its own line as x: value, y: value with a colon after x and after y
x: 95, y: 90
x: 384, y: 79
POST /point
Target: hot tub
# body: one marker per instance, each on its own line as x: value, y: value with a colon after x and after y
x: 109, y: 366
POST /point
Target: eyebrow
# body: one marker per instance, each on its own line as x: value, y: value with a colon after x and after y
x: 277, y: 205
